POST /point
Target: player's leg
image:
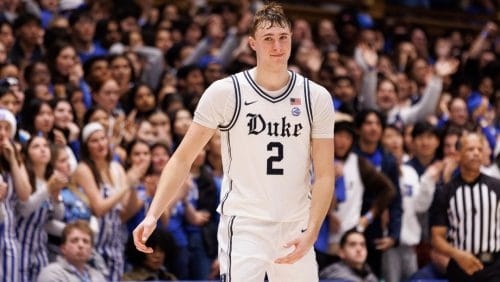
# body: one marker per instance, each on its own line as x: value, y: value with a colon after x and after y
x: 241, y: 252
x: 305, y: 269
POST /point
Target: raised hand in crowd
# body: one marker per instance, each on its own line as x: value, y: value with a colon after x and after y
x: 76, y: 73
x: 369, y: 54
x: 9, y: 151
x: 56, y: 183
x: 129, y: 128
x: 136, y: 172
x: 489, y: 29
x: 450, y: 164
x: 59, y: 137
x: 74, y: 131
x: 446, y: 67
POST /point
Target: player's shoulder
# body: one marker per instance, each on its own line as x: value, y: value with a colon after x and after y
x: 226, y: 82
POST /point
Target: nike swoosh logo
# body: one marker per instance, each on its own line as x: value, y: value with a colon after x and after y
x: 303, y: 230
x: 249, y: 103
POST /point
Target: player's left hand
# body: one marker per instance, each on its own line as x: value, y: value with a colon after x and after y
x: 302, y: 245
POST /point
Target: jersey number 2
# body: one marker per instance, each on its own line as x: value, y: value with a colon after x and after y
x: 275, y: 158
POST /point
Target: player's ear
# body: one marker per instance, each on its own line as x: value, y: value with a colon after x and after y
x: 251, y: 42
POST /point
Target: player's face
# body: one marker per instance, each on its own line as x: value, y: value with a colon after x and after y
x: 272, y: 44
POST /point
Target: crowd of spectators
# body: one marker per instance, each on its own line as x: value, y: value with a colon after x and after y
x: 95, y: 96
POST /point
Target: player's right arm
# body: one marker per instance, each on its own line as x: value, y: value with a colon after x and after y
x: 172, y: 177
x: 216, y: 107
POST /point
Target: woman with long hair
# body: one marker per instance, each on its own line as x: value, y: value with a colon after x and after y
x: 43, y: 204
x: 111, y: 199
x: 76, y: 203
x: 14, y: 175
x: 37, y: 118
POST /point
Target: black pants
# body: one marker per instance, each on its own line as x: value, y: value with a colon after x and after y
x: 490, y: 273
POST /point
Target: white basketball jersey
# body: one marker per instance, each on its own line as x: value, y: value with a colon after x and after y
x: 266, y: 150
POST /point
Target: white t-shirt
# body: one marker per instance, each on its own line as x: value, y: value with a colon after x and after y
x: 265, y: 143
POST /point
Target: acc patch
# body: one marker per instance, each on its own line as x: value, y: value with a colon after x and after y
x: 296, y: 111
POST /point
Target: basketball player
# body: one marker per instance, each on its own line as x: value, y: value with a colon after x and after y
x: 274, y: 124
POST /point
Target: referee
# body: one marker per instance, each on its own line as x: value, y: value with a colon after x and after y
x: 466, y: 218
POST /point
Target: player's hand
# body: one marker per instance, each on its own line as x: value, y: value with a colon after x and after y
x: 468, y: 262
x: 302, y: 245
x: 142, y: 232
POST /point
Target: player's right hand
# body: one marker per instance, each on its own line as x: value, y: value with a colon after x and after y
x: 142, y: 232
x: 468, y: 262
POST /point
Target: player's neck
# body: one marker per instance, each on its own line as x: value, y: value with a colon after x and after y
x: 271, y: 79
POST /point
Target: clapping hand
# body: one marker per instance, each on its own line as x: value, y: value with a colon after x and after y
x: 56, y: 182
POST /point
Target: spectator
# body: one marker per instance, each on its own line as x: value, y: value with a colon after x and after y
x: 105, y: 184
x: 8, y: 100
x: 154, y: 266
x: 43, y: 204
x: 29, y: 38
x: 161, y: 126
x: 400, y: 262
x: 370, y: 124
x: 76, y: 250
x: 76, y: 204
x: 180, y: 121
x: 122, y: 71
x: 6, y: 36
x: 83, y: 30
x: 160, y: 154
x: 357, y: 180
x: 18, y: 190
x: 353, y: 266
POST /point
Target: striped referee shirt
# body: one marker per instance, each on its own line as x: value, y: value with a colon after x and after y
x: 471, y: 212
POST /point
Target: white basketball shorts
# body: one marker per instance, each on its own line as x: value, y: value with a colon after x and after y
x: 248, y: 248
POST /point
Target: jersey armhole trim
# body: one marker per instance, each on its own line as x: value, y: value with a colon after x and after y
x: 307, y: 94
x: 237, y: 108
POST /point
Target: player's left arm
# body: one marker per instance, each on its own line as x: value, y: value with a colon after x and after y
x: 324, y: 182
x: 322, y: 193
x: 322, y: 152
